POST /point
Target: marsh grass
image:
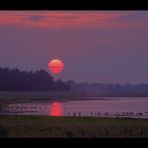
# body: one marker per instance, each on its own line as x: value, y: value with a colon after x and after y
x: 73, y: 127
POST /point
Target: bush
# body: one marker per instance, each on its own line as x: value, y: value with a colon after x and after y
x: 3, y: 132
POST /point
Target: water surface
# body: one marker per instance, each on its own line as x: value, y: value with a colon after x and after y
x: 108, y: 106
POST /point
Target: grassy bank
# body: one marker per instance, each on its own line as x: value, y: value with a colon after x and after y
x: 72, y: 127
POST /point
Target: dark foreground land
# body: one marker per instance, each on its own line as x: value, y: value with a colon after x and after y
x: 71, y: 127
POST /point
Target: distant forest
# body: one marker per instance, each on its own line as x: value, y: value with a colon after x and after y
x: 112, y: 89
x: 16, y: 80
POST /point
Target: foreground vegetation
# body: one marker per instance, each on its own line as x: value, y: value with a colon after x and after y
x: 71, y: 127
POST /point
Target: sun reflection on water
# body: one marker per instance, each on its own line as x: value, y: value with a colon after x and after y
x: 56, y: 109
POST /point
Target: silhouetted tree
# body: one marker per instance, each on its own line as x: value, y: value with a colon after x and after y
x: 16, y: 80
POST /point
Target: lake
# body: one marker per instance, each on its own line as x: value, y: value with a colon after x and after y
x: 108, y: 106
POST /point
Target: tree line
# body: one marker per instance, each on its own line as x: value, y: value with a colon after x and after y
x: 16, y: 80
x: 41, y: 80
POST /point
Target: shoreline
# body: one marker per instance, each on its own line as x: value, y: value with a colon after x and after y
x: 49, y: 99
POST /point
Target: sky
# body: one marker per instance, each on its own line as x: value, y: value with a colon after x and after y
x: 95, y: 46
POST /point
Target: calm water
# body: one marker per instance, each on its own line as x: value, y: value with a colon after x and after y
x: 106, y: 107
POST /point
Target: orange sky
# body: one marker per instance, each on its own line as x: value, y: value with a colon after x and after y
x: 46, y: 19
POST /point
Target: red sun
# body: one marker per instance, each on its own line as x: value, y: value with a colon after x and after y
x: 56, y: 66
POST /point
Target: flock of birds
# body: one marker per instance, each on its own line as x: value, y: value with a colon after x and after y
x: 39, y: 109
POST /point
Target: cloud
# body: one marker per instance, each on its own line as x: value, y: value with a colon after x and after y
x: 71, y: 19
x: 36, y: 18
x: 134, y: 15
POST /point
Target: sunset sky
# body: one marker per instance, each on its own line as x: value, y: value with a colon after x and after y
x: 96, y: 46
